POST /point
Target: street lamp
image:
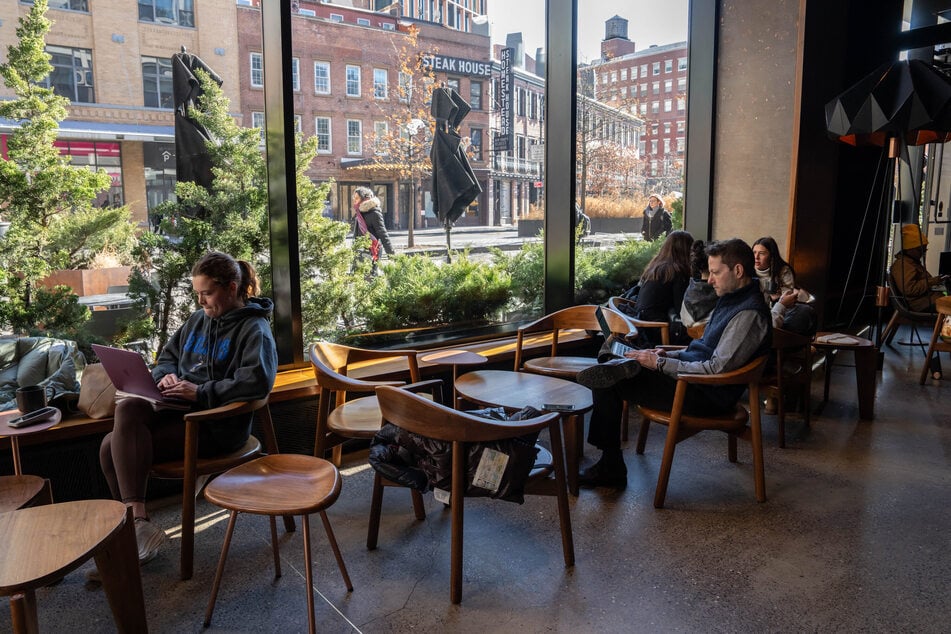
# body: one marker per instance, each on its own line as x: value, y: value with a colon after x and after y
x: 412, y: 127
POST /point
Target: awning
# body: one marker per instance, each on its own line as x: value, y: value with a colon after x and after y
x: 105, y: 131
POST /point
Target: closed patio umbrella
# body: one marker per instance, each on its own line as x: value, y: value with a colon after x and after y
x: 192, y: 161
x: 454, y: 183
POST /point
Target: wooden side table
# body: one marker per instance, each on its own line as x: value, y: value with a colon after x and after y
x: 15, y: 432
x: 455, y: 358
x: 866, y: 365
x: 938, y: 345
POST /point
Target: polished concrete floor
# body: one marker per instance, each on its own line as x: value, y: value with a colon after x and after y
x: 853, y: 538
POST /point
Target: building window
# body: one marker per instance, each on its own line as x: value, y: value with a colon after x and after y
x: 669, y: 85
x: 72, y: 73
x: 520, y: 147
x: 668, y: 65
x: 96, y: 156
x: 681, y: 126
x: 475, y: 143
x: 381, y: 130
x: 655, y: 68
x: 298, y: 124
x: 363, y: 21
x: 321, y: 78
x: 666, y: 146
x: 643, y: 109
x: 681, y: 104
x: 682, y: 63
x: 668, y: 105
x: 180, y: 12
x: 613, y: 76
x: 520, y: 102
x: 66, y: 5
x: 322, y: 132
x: 643, y: 71
x: 666, y: 127
x: 532, y: 105
x: 257, y: 121
x: 655, y: 107
x: 336, y: 17
x: 682, y: 84
x: 655, y: 87
x: 389, y: 26
x: 623, y: 92
x: 406, y: 87
x: 623, y: 74
x: 653, y: 146
x: 680, y: 145
x: 604, y: 79
x: 643, y: 90
x: 354, y: 136
x: 295, y: 74
x: 453, y: 82
x: 157, y: 82
x: 379, y: 83
x: 257, y: 70
x: 475, y: 95
x: 353, y: 80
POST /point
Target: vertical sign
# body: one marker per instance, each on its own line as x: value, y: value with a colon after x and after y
x: 503, y: 138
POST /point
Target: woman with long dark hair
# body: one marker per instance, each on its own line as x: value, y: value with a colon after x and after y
x: 663, y: 283
x: 776, y: 275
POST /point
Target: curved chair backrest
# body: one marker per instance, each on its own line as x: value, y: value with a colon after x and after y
x: 581, y: 317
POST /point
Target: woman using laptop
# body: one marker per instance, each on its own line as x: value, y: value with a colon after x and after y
x: 224, y: 352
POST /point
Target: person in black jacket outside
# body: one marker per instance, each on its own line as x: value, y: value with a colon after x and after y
x: 368, y: 206
x: 657, y: 220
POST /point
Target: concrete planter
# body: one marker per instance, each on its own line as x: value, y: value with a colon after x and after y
x: 89, y: 281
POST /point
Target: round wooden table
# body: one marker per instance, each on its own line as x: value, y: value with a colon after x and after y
x: 515, y: 390
x: 455, y: 358
x: 15, y: 432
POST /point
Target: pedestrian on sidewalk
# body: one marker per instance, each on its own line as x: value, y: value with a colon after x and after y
x: 367, y: 205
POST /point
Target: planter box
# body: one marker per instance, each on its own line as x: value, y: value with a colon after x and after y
x: 89, y: 281
x: 530, y: 228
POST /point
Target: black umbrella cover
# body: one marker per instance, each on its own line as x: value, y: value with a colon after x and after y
x: 193, y: 164
x: 454, y: 183
x: 908, y: 99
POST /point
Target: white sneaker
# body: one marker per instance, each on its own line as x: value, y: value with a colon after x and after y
x: 149, y: 538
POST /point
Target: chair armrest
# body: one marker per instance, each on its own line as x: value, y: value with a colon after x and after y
x: 433, y: 386
x: 226, y: 411
x: 748, y: 373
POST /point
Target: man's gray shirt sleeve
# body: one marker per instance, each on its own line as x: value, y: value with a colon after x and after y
x: 739, y: 341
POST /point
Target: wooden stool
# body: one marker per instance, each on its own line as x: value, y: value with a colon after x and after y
x: 19, y: 491
x: 284, y: 484
x: 937, y: 346
x: 44, y: 543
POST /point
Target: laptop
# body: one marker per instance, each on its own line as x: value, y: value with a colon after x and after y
x: 131, y: 377
x: 617, y: 348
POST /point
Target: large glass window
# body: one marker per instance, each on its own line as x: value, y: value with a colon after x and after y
x: 72, y: 75
x: 96, y: 156
x: 68, y: 5
x: 178, y: 12
x: 157, y: 82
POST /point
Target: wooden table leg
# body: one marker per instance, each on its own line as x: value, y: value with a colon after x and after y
x: 118, y: 563
x: 23, y: 613
x: 15, y: 447
x: 866, y: 366
x: 573, y: 426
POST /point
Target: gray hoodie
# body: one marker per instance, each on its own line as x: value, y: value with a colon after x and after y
x: 230, y: 358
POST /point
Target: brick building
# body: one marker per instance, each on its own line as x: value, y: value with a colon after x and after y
x: 651, y: 83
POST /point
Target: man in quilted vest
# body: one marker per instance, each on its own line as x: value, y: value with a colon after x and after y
x: 739, y: 330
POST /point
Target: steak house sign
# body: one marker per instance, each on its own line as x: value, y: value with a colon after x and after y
x: 457, y: 65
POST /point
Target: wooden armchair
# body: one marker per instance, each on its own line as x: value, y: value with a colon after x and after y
x: 572, y: 318
x: 191, y: 466
x: 681, y: 426
x: 792, y: 371
x: 433, y: 420
x: 663, y: 326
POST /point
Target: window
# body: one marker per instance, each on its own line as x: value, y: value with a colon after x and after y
x: 623, y: 92
x: 68, y: 5
x: 643, y: 109
x: 681, y: 126
x: 520, y: 102
x: 257, y: 121
x: 354, y: 136
x: 633, y: 72
x: 157, y: 82
x: 381, y: 131
x: 321, y: 78
x: 178, y: 12
x: 475, y: 143
x: 666, y: 127
x: 668, y: 105
x: 623, y: 74
x: 604, y: 78
x: 336, y: 17
x: 257, y: 70
x: 353, y: 80
x: 295, y: 73
x: 475, y: 95
x: 666, y: 146
x: 406, y: 87
x: 681, y: 104
x: 322, y: 132
x: 682, y: 84
x: 655, y: 87
x: 363, y: 21
x: 520, y: 146
x: 96, y: 156
x: 654, y: 146
x: 453, y: 82
x: 532, y: 105
x: 308, y: 12
x: 680, y: 145
x: 379, y: 83
x: 298, y: 124
x: 655, y: 107
x: 613, y: 76
x: 643, y: 71
x: 72, y: 73
x: 643, y: 90
x: 389, y: 26
x: 682, y: 63
x: 668, y: 65
x: 669, y: 85
x: 655, y: 69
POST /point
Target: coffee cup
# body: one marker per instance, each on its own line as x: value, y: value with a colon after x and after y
x: 30, y: 398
